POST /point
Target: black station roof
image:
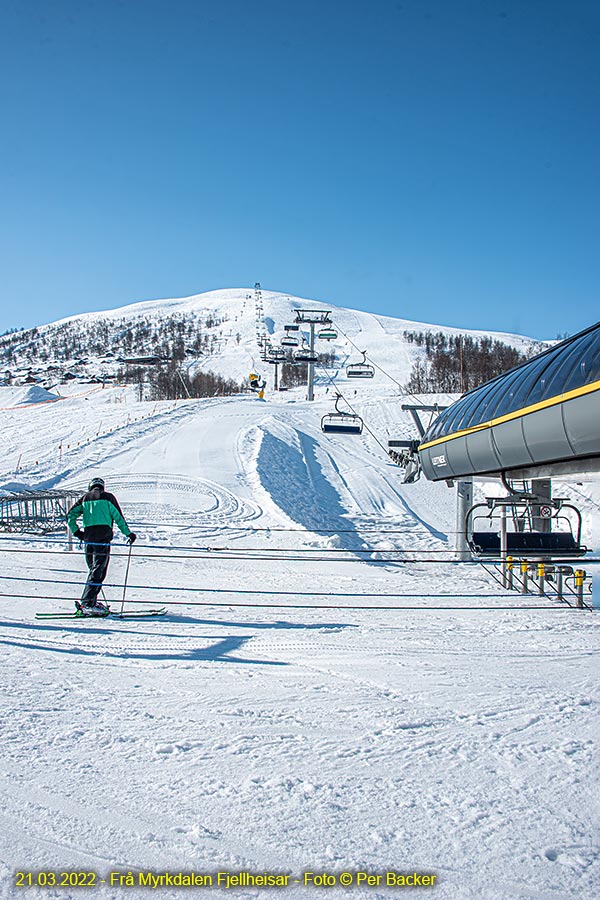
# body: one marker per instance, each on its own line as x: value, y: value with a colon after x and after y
x: 565, y: 367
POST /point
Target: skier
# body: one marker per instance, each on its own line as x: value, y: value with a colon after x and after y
x: 99, y: 510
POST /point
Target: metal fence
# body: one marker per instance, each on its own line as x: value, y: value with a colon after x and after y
x: 35, y: 512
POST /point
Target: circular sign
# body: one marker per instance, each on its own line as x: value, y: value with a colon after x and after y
x: 545, y: 512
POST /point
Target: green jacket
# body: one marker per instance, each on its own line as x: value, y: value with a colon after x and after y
x: 99, y: 511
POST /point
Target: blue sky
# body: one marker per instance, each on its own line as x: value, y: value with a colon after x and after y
x: 435, y: 160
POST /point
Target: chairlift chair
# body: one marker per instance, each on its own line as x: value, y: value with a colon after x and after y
x: 361, y: 369
x: 289, y: 341
x: 305, y: 354
x: 564, y: 538
x: 327, y: 334
x: 341, y: 422
x: 276, y: 354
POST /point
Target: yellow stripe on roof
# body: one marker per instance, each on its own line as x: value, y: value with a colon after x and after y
x: 517, y: 414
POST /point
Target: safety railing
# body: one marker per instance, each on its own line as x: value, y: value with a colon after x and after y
x: 35, y: 512
x: 547, y: 579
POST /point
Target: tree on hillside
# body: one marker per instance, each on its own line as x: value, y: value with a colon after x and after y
x: 459, y: 363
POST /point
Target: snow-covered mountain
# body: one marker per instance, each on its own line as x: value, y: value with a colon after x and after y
x: 217, y: 331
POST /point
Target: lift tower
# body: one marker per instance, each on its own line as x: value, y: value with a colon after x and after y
x: 312, y: 317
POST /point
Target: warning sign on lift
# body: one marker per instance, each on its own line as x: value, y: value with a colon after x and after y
x: 545, y: 512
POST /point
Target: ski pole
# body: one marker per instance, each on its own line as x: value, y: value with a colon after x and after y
x: 125, y: 581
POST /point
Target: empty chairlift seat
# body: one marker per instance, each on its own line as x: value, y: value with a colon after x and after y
x: 564, y: 538
x: 290, y: 340
x: 327, y: 334
x: 341, y: 422
x: 361, y: 369
x: 305, y: 354
x: 532, y: 543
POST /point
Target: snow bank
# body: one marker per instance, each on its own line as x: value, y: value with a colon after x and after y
x: 33, y: 394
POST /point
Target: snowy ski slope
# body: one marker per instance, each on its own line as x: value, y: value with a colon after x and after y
x: 234, y: 313
x: 328, y: 692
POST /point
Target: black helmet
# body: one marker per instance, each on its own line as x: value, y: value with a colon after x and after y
x: 96, y: 482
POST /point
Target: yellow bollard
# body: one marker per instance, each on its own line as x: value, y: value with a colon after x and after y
x: 525, y: 575
x: 580, y: 576
x: 541, y: 574
x: 509, y: 572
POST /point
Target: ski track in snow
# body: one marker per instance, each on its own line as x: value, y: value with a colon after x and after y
x: 460, y: 742
x: 368, y: 745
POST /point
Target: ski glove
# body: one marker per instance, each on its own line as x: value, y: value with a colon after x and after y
x: 78, y: 534
x: 131, y: 538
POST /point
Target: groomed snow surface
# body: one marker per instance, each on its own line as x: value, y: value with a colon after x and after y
x: 331, y: 702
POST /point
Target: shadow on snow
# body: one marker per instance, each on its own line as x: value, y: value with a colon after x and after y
x: 220, y: 651
x: 295, y: 480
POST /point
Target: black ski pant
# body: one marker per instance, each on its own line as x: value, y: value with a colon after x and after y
x: 97, y: 557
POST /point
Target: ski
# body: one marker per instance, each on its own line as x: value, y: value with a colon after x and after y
x: 66, y: 615
x: 142, y: 614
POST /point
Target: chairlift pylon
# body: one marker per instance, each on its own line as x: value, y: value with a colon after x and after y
x: 360, y: 370
x: 340, y: 421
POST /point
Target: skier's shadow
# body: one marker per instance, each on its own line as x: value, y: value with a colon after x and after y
x: 221, y: 649
x: 280, y: 624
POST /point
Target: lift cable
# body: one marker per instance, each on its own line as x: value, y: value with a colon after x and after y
x: 266, y: 555
x: 406, y: 393
x: 317, y: 606
x: 345, y: 399
x: 187, y: 525
x: 387, y: 374
x: 253, y: 591
x: 239, y: 555
x: 302, y: 552
x: 337, y: 388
